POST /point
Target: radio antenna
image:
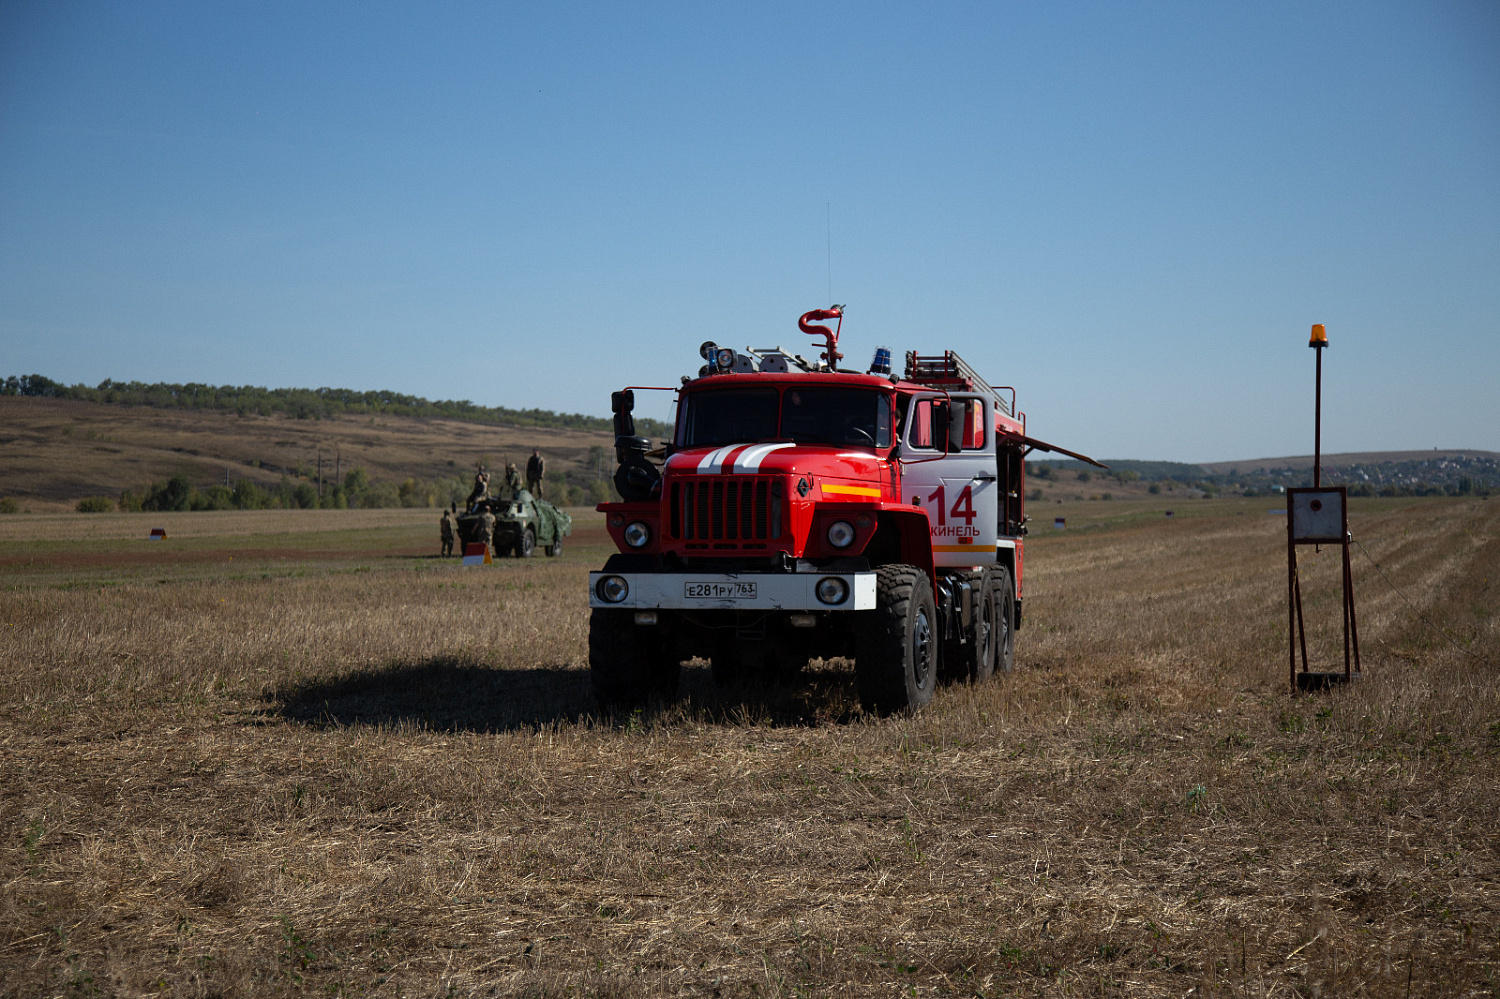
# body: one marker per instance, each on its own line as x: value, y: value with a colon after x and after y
x: 828, y: 207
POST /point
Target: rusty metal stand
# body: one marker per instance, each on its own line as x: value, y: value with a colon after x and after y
x: 1318, y: 516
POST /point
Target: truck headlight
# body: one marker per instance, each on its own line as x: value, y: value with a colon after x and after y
x: 637, y: 534
x: 841, y: 534
x: 832, y: 590
x: 612, y: 589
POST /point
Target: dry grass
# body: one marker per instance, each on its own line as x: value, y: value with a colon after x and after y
x: 369, y: 772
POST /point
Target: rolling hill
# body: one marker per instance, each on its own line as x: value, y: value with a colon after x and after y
x: 55, y: 451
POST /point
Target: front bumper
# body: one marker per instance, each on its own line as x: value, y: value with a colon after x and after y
x: 791, y: 591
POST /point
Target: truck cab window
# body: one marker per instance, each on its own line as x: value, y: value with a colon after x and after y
x: 811, y: 415
x: 920, y: 435
x: 728, y: 416
x: 843, y: 417
x: 966, y: 430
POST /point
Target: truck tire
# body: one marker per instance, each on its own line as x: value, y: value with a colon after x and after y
x: 629, y: 664
x: 896, y: 650
x: 525, y: 543
x: 974, y: 660
x: 1004, y: 632
x: 555, y: 548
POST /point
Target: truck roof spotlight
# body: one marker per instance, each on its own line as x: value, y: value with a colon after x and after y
x: 832, y: 590
x: 724, y: 358
x: 612, y: 589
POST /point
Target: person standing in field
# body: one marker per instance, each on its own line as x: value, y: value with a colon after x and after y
x: 536, y: 467
x: 512, y: 479
x: 445, y: 529
x: 487, y: 529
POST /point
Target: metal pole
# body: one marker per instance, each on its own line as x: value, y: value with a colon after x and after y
x: 1317, y: 341
x: 1348, y: 593
x: 1293, y: 610
x: 1349, y: 599
x: 1318, y: 424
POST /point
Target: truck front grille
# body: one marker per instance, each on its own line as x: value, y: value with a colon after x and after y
x: 743, y: 509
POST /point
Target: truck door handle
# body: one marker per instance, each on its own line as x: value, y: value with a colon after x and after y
x: 984, y: 477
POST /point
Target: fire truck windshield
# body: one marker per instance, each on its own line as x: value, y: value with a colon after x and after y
x: 814, y: 415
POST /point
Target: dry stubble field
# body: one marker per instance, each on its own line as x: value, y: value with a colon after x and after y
x: 294, y: 753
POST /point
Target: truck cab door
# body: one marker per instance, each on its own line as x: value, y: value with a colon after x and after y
x: 948, y: 469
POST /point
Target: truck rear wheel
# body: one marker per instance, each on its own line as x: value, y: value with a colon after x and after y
x: 525, y: 543
x: 974, y: 660
x: 629, y: 664
x: 1004, y: 630
x: 896, y: 649
x: 555, y: 548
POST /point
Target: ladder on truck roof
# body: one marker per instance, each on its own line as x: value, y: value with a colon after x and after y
x: 949, y: 371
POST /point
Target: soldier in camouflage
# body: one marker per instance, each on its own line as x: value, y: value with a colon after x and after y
x: 445, y: 528
x: 512, y: 479
x: 536, y: 467
x: 487, y: 529
x: 481, y: 487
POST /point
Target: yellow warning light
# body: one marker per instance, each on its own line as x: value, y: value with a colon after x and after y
x: 1319, y: 336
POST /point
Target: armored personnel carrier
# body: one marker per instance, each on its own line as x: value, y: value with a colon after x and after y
x: 521, y: 523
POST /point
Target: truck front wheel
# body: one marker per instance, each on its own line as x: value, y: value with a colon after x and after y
x: 897, y: 647
x: 629, y: 664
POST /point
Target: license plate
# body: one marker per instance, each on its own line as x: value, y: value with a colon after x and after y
x: 720, y: 591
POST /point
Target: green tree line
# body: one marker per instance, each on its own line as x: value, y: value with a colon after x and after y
x: 307, y: 404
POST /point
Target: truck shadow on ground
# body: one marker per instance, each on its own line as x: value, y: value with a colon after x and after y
x: 442, y: 694
x: 448, y: 694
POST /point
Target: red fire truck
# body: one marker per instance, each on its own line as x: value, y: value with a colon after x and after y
x: 805, y: 510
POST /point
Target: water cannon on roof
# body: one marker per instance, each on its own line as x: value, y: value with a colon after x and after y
x: 830, y: 355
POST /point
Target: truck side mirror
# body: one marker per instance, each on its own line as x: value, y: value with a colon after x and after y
x: 622, y: 403
x: 957, y: 427
x: 942, y: 423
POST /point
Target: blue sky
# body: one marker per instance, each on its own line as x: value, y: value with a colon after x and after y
x: 1133, y: 212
